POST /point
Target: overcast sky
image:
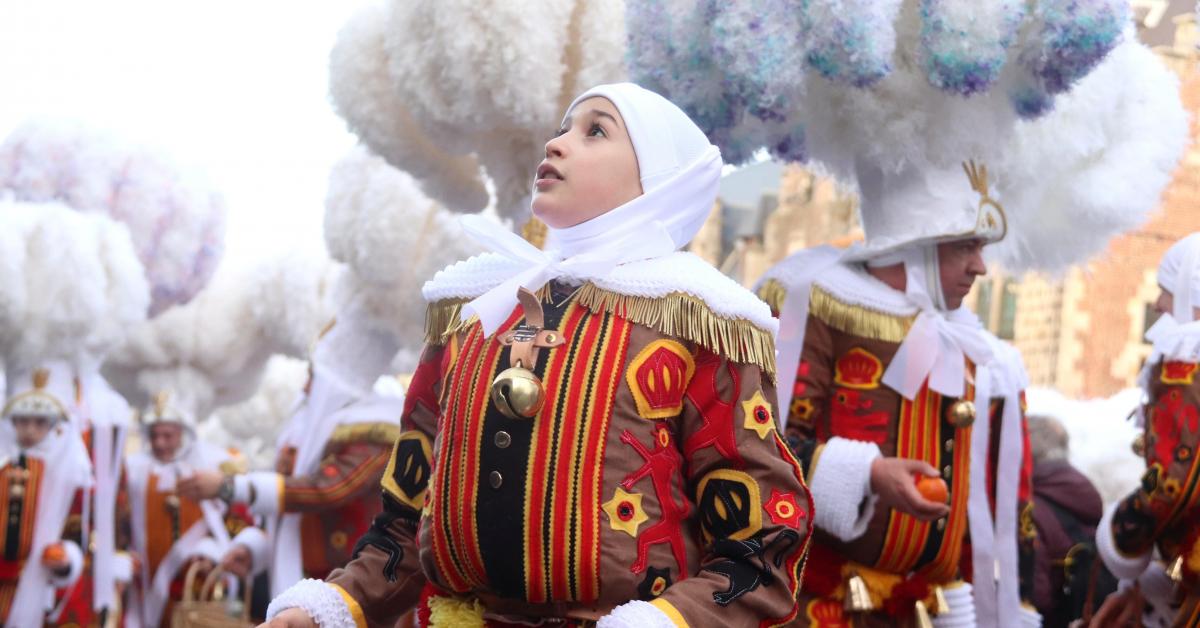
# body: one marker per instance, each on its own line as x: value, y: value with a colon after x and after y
x: 234, y: 88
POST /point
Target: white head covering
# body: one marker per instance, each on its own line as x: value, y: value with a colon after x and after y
x: 680, y: 173
x: 1179, y: 274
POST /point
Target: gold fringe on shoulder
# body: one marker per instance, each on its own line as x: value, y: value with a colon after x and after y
x: 687, y: 317
x: 858, y: 320
x: 772, y: 292
x: 442, y: 320
x: 377, y: 433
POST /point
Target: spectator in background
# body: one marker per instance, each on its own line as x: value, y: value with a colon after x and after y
x: 1069, y: 583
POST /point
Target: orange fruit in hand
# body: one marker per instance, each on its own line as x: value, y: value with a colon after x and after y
x: 54, y: 553
x: 933, y: 488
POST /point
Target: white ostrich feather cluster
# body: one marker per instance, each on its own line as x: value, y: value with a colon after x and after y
x: 228, y: 332
x: 176, y: 221
x: 392, y: 238
x: 444, y: 89
x: 253, y: 425
x: 70, y: 285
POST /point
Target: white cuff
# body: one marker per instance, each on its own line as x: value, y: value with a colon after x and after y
x: 635, y: 614
x: 255, y: 541
x: 241, y: 489
x: 840, y: 484
x: 75, y: 557
x: 1121, y: 566
x: 122, y: 569
x: 961, y: 607
x: 268, y: 495
x: 322, y: 602
x: 1029, y: 617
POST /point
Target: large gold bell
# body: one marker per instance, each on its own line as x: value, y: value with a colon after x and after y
x: 518, y: 393
x: 961, y: 413
x: 858, y: 596
x: 1175, y: 571
x: 924, y: 620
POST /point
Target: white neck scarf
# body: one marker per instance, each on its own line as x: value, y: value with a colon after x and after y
x: 680, y: 173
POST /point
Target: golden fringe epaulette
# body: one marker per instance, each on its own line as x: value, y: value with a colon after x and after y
x: 375, y: 433
x: 857, y: 319
x: 772, y: 292
x: 676, y: 314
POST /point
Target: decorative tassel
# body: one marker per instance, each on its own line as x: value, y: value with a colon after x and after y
x: 858, y: 320
x: 452, y: 612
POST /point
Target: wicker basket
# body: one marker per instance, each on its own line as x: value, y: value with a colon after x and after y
x: 207, y: 611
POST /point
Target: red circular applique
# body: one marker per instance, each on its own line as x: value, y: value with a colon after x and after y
x: 625, y: 511
x: 331, y: 471
x: 761, y: 415
x: 783, y: 510
x: 660, y: 585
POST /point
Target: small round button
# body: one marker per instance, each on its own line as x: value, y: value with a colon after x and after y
x: 946, y: 471
x: 941, y: 524
x: 949, y: 446
x: 495, y: 479
x: 502, y: 439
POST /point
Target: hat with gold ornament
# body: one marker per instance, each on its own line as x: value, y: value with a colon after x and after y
x: 47, y: 391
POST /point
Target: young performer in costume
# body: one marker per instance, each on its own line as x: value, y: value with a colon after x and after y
x: 171, y: 530
x: 1163, y: 513
x: 322, y: 494
x: 590, y: 435
x: 884, y: 370
x: 44, y: 468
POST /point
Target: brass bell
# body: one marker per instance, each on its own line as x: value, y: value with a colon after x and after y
x: 518, y: 393
x: 1139, y: 445
x: 17, y: 491
x: 1175, y: 572
x: 923, y: 618
x: 961, y: 413
x: 939, y: 596
x: 858, y: 596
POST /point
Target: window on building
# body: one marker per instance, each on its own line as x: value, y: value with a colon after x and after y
x: 1007, y: 325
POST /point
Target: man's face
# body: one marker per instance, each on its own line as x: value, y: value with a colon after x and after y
x: 165, y: 440
x: 31, y: 429
x: 959, y: 263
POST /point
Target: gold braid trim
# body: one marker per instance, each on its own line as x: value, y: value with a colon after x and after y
x: 684, y: 316
x: 376, y: 433
x: 858, y: 320
x: 772, y: 292
x: 677, y: 314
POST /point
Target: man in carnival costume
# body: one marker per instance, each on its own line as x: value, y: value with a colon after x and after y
x: 589, y: 436
x: 171, y: 530
x: 1162, y: 513
x: 884, y: 370
x: 322, y: 495
x: 44, y: 470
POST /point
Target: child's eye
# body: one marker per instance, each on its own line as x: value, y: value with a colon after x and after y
x: 596, y: 130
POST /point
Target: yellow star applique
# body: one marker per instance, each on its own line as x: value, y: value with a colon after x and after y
x: 625, y: 512
x: 758, y: 415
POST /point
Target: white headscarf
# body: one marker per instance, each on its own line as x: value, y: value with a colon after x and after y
x: 1179, y: 274
x: 680, y: 172
x: 1176, y: 334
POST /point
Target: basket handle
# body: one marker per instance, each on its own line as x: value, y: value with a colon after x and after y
x: 210, y: 582
x: 189, y: 581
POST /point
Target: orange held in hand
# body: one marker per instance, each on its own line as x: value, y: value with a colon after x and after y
x: 54, y: 554
x: 933, y: 488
